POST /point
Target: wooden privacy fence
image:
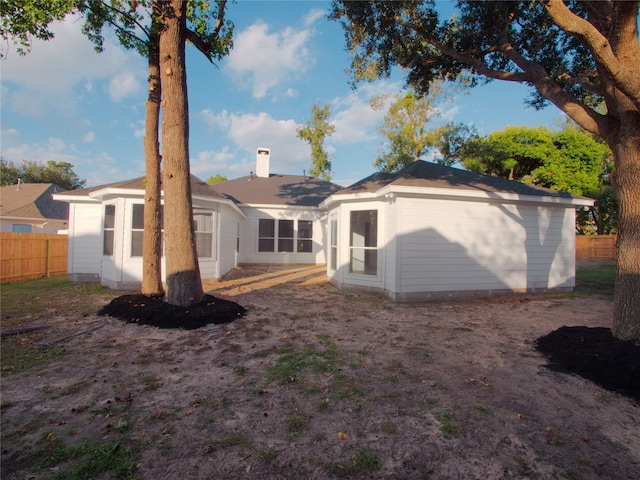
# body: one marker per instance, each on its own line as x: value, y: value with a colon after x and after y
x: 596, y: 247
x: 25, y: 256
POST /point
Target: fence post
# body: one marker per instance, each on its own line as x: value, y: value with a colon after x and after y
x: 47, y: 270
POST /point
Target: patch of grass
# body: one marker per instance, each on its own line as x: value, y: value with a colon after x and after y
x: 74, y: 388
x: 150, y: 381
x: 481, y: 408
x: 266, y: 454
x: 116, y: 458
x: 448, y: 424
x: 361, y: 463
x: 18, y: 358
x: 233, y: 439
x: 292, y: 362
x: 45, y: 296
x: 297, y: 423
x: 596, y: 279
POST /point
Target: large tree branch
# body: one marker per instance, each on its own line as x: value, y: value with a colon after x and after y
x: 206, y: 47
x: 600, y: 47
x: 532, y: 73
x: 465, y: 58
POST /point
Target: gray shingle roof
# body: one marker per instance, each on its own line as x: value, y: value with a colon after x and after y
x: 32, y: 200
x: 198, y: 187
x: 292, y: 190
x: 431, y: 175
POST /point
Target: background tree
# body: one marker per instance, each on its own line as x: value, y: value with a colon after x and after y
x: 58, y: 173
x: 576, y: 55
x: 314, y: 132
x: 209, y: 32
x: 570, y: 160
x: 217, y: 178
x: 405, y: 126
x: 21, y: 21
x: 512, y: 153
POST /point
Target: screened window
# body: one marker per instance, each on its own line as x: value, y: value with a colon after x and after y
x: 305, y: 236
x: 266, y: 235
x: 108, y: 228
x: 364, y: 242
x: 284, y: 235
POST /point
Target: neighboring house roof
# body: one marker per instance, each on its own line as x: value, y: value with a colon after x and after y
x: 286, y: 190
x: 32, y: 200
x: 427, y: 175
x: 198, y: 188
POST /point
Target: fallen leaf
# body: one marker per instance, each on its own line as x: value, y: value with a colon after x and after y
x: 342, y: 436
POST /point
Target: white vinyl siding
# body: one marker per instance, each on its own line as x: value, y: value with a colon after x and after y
x: 449, y: 245
x: 85, y: 245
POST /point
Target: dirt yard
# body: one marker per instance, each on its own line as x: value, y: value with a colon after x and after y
x: 315, y: 383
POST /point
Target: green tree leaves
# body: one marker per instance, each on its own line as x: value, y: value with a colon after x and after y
x: 58, y: 173
x: 314, y: 132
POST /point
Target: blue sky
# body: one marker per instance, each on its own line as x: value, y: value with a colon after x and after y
x: 64, y: 102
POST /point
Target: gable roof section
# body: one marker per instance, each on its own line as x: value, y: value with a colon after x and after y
x: 32, y: 200
x: 421, y: 176
x: 284, y: 190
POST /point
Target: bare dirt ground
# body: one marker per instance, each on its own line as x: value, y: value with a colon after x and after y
x: 315, y: 383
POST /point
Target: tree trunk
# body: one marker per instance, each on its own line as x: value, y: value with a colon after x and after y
x: 626, y: 180
x: 184, y: 286
x: 152, y: 239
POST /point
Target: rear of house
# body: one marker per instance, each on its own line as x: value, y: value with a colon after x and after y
x: 430, y: 231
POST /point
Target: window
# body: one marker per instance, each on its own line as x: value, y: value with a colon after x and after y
x: 288, y: 239
x: 285, y: 235
x: 305, y: 236
x: 266, y: 235
x: 203, y: 223
x: 364, y: 242
x: 137, y: 228
x: 21, y: 228
x: 334, y: 243
x: 109, y: 227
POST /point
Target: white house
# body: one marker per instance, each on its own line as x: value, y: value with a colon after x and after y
x: 427, y: 231
x: 431, y: 231
x: 260, y: 218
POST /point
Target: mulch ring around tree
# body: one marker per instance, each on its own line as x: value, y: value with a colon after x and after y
x: 595, y: 354
x: 154, y: 311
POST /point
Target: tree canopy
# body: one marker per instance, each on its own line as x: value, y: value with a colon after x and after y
x: 577, y: 55
x: 315, y: 132
x: 405, y: 128
x: 29, y: 171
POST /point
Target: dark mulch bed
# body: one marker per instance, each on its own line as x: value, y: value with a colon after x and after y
x: 595, y: 354
x: 156, y: 312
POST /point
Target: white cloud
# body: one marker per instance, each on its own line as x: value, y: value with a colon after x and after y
x: 89, y: 137
x: 54, y: 72
x: 210, y: 162
x: 261, y: 60
x: 353, y: 117
x: 251, y: 131
x: 313, y: 16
